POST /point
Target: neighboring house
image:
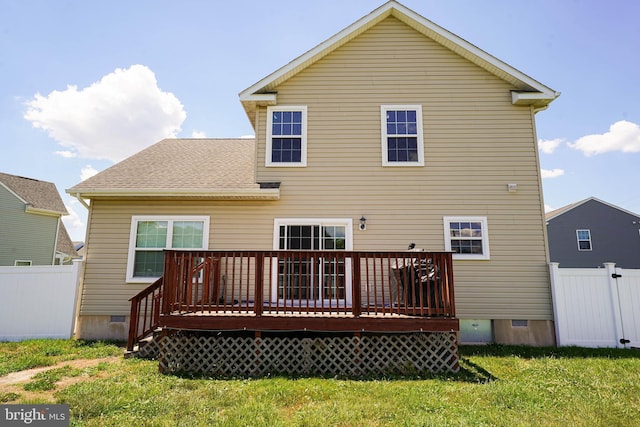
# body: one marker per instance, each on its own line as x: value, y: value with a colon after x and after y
x: 390, y: 132
x: 31, y: 228
x: 590, y: 232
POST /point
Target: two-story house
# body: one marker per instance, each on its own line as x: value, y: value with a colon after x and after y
x: 393, y: 131
x: 31, y: 227
x: 591, y: 232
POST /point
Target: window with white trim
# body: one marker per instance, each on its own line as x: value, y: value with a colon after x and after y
x: 402, y: 136
x: 22, y: 263
x: 286, y: 136
x: 150, y: 235
x: 466, y: 237
x: 584, y: 240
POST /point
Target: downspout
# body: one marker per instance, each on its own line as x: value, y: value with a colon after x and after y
x: 81, y: 200
x: 55, y: 241
x: 78, y: 267
x: 534, y: 110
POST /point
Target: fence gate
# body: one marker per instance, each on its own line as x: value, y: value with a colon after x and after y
x: 628, y: 282
x: 596, y: 307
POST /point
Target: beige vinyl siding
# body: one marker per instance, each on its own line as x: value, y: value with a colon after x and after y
x: 476, y: 142
x: 233, y: 225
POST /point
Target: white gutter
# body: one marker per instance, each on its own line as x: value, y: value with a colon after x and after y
x: 221, y: 194
x: 39, y: 211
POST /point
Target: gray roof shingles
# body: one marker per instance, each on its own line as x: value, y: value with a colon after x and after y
x: 38, y: 194
x: 65, y: 245
x: 181, y: 164
x: 41, y: 195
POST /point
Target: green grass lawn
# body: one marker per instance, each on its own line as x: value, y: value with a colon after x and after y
x: 497, y: 386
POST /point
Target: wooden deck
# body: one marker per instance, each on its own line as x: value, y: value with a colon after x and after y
x: 307, y: 321
x: 323, y: 291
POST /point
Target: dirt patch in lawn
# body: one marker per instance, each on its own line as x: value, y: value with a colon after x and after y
x: 12, y: 385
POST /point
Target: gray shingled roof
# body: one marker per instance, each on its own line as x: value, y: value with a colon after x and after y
x: 560, y: 211
x: 180, y: 165
x: 65, y: 245
x: 38, y: 194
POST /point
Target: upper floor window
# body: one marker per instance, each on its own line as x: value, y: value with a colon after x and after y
x: 466, y: 237
x: 286, y: 136
x: 402, y: 140
x: 584, y: 240
x: 150, y: 235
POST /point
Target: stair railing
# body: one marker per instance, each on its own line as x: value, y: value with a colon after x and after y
x: 145, y: 312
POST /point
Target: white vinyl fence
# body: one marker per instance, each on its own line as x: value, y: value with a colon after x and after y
x: 38, y: 301
x: 596, y: 307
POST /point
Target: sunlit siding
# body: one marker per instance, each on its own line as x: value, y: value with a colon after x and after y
x: 476, y: 142
x: 233, y: 225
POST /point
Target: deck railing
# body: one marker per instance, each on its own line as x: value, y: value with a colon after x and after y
x: 351, y: 283
x: 296, y: 283
x: 145, y: 312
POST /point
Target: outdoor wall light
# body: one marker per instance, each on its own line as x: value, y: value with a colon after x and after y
x: 363, y: 223
x: 512, y: 188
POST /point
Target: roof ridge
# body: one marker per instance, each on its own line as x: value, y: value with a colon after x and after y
x: 560, y: 211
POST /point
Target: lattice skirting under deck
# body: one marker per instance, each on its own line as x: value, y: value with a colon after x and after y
x: 368, y: 354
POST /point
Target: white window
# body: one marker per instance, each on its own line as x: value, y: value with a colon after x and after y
x: 402, y: 140
x: 466, y: 237
x: 286, y: 136
x: 584, y: 240
x: 150, y: 235
x: 308, y: 280
x: 22, y: 263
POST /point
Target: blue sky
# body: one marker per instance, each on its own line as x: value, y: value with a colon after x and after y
x: 84, y: 84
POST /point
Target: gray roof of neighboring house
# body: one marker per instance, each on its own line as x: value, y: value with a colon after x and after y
x: 175, y: 167
x: 555, y: 213
x: 38, y: 194
x: 65, y: 245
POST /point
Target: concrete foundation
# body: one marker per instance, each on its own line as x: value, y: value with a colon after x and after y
x: 102, y: 328
x: 537, y: 333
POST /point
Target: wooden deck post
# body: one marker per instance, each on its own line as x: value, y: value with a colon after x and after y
x: 133, y: 325
x: 451, y: 308
x: 356, y: 286
x: 259, y: 291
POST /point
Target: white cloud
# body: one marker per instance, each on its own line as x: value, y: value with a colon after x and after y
x: 198, y: 134
x: 549, y: 146
x: 111, y: 119
x: 548, y: 208
x: 248, y: 136
x: 66, y: 153
x: 546, y: 173
x: 74, y: 222
x: 622, y: 136
x: 87, y: 172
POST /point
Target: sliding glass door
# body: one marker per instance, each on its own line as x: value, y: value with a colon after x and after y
x: 313, y: 278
